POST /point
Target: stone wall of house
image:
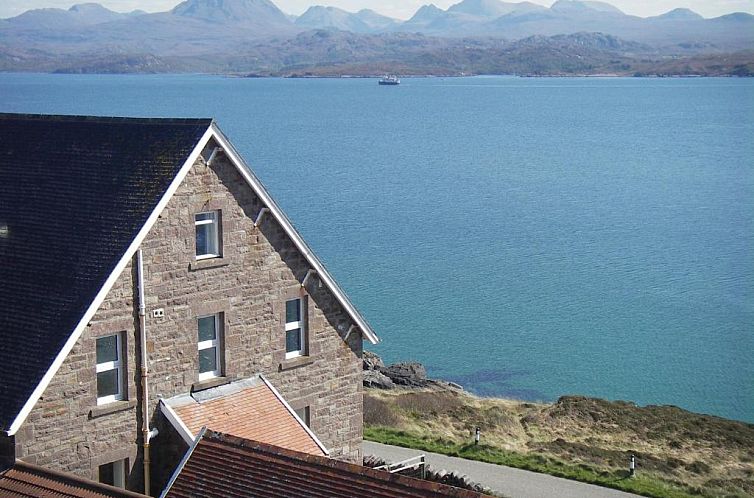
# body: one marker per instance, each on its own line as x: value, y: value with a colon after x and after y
x: 259, y: 270
x: 66, y: 430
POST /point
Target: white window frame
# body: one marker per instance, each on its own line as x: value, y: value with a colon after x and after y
x: 107, y: 366
x: 213, y: 343
x: 214, y: 220
x: 301, y: 324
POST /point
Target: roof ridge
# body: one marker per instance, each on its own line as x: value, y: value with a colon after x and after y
x: 104, y: 119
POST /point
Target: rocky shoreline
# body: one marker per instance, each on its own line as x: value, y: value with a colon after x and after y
x: 409, y: 374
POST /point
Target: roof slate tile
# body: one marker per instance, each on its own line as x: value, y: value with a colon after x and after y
x: 74, y: 192
x: 24, y: 480
x: 226, y: 466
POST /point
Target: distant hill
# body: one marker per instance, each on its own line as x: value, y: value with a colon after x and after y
x: 78, y: 15
x: 243, y: 12
x: 584, y: 6
x: 376, y: 21
x: 364, y: 21
x: 472, y: 36
x: 678, y: 28
x: 492, y: 9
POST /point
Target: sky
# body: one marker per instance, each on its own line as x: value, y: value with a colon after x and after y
x: 401, y: 9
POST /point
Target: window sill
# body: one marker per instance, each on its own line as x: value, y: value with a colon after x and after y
x: 210, y: 383
x: 201, y: 264
x: 114, y: 407
x: 298, y: 361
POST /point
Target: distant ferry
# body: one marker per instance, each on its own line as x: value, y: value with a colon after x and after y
x: 389, y: 80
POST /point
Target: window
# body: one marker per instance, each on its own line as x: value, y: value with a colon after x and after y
x: 210, y: 344
x: 109, y: 369
x: 303, y: 414
x: 295, y: 328
x: 207, y: 235
x: 114, y: 473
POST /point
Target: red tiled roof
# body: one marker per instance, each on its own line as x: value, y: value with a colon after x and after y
x: 24, y: 480
x: 223, y: 466
x: 254, y: 413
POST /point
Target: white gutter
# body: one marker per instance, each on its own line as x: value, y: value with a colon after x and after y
x: 144, y: 368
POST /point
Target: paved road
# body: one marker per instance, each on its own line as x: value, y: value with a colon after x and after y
x: 510, y: 482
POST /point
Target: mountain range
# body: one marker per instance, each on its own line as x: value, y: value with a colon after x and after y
x: 255, y: 36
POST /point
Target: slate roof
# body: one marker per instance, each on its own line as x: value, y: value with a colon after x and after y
x: 223, y: 466
x: 24, y: 480
x: 249, y: 409
x: 74, y: 193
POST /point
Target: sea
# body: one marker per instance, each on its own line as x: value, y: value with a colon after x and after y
x: 524, y: 237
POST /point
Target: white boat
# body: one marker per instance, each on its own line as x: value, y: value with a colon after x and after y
x: 389, y: 79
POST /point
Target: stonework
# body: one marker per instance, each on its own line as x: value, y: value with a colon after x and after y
x: 259, y: 269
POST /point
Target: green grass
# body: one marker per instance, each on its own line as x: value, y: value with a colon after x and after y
x: 641, y: 484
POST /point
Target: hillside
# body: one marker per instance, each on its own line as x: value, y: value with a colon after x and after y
x: 323, y: 53
x: 679, y: 453
x: 470, y: 37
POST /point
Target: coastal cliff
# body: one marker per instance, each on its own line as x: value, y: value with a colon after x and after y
x: 678, y: 453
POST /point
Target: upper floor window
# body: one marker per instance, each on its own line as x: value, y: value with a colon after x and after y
x: 207, y: 234
x: 109, y: 369
x: 295, y: 328
x: 210, y: 347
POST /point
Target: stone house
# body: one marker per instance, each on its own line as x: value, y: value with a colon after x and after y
x: 142, y: 261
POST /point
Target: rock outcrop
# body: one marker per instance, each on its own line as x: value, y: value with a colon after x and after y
x: 409, y: 374
x: 372, y: 361
x: 375, y: 378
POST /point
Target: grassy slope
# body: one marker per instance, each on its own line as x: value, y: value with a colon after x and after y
x: 680, y: 454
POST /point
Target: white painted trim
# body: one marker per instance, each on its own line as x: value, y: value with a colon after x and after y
x: 295, y: 415
x: 95, y: 304
x: 280, y: 216
x: 176, y: 422
x: 192, y: 446
x: 217, y: 343
x: 299, y: 325
x: 213, y: 234
x: 109, y: 366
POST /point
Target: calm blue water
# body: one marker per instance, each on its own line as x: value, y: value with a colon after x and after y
x: 525, y: 237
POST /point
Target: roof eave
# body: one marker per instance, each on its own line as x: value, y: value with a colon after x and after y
x: 260, y: 190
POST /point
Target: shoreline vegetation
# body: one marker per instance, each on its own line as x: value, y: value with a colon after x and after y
x: 409, y: 76
x: 679, y: 454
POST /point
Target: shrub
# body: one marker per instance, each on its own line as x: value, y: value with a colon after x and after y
x: 428, y: 403
x: 378, y: 412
